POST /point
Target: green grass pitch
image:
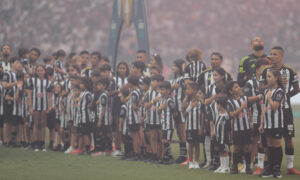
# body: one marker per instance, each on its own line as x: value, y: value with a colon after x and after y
x: 24, y: 164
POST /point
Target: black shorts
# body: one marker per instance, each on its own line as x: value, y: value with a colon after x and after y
x: 192, y: 136
x: 1, y: 121
x: 255, y: 131
x: 222, y: 148
x: 289, y: 128
x: 17, y: 120
x: 275, y: 133
x: 116, y: 108
x: 152, y: 126
x: 242, y: 137
x: 134, y: 127
x: 51, y: 119
x: 85, y: 128
x: 179, y: 118
x: 167, y: 134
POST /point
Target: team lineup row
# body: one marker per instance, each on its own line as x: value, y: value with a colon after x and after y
x: 86, y: 108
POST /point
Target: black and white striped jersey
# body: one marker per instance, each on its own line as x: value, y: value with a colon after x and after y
x: 17, y: 105
x: 152, y: 114
x: 133, y: 115
x: 290, y: 74
x: 193, y: 118
x: 251, y: 88
x: 211, y: 90
x: 104, y: 102
x: 119, y: 82
x: 8, y: 77
x: 194, y: 69
x: 212, y: 112
x: 66, y: 85
x: 2, y: 99
x: 124, y: 115
x: 222, y: 128
x: 241, y: 122
x: 5, y: 65
x: 206, y: 79
x: 58, y: 76
x: 273, y: 119
x: 40, y: 89
x: 178, y: 93
x: 85, y: 99
x: 86, y: 72
x: 166, y: 115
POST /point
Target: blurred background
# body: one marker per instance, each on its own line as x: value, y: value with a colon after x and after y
x: 226, y: 26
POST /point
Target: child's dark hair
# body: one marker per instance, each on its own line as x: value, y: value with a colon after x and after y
x: 157, y: 77
x: 105, y: 58
x: 76, y: 87
x: 14, y: 59
x: 127, y: 68
x: 139, y: 65
x: 125, y: 92
x: 277, y: 74
x: 179, y: 63
x: 217, y: 54
x: 228, y: 87
x: 96, y: 73
x: 22, y: 52
x: 47, y: 59
x: 221, y: 72
x: 260, y: 62
x: 105, y: 67
x: 104, y: 81
x: 88, y: 83
x: 220, y: 89
x: 49, y: 71
x: 193, y: 85
x: 134, y: 80
x: 158, y: 60
x: 60, y: 53
x: 158, y: 69
x: 98, y: 54
x: 38, y: 51
x: 146, y: 81
x: 222, y: 101
x: 74, y: 77
x: 84, y: 52
x: 165, y: 84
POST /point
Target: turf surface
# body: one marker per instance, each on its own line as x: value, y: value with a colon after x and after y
x: 24, y: 164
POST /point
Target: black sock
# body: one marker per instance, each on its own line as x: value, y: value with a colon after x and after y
x: 167, y: 150
x: 235, y: 158
x: 183, y: 150
x: 247, y: 156
x: 260, y: 150
x: 271, y: 157
x: 278, y: 157
x: 87, y: 148
x: 289, y: 151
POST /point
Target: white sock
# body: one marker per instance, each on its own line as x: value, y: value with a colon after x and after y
x: 260, y: 160
x: 226, y: 162
x: 222, y: 162
x: 207, y: 144
x: 290, y: 161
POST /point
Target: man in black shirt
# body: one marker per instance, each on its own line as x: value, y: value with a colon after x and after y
x: 247, y: 64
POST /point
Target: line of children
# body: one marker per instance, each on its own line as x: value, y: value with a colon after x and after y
x: 96, y: 108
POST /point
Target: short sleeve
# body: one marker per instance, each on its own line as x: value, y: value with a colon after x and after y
x: 49, y: 87
x: 263, y: 76
x: 230, y: 108
x: 88, y: 98
x: 278, y: 96
x: 172, y: 105
x: 123, y: 112
x: 135, y: 98
x: 248, y: 90
x: 103, y: 100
